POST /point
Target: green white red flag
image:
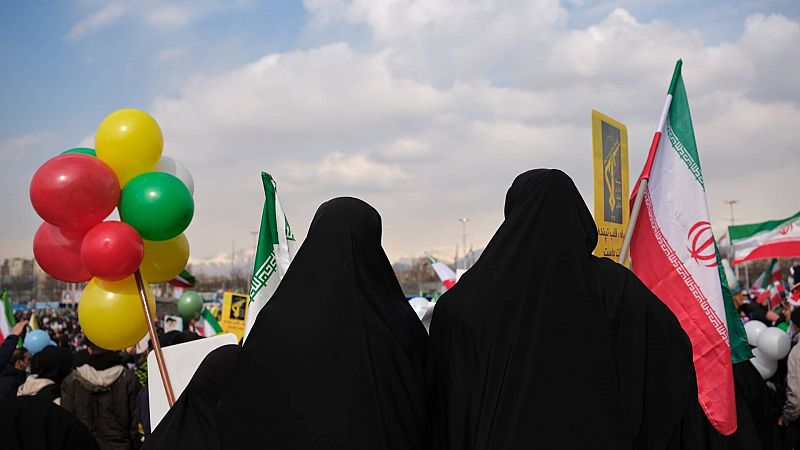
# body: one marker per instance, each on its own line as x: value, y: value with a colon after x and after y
x: 184, y: 279
x: 769, y: 276
x: 7, y: 321
x: 770, y: 239
x: 275, y: 251
x: 674, y: 252
x: 445, y: 274
x: 210, y: 325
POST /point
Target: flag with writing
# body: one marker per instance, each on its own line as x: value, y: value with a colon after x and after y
x: 674, y: 252
x: 276, y: 248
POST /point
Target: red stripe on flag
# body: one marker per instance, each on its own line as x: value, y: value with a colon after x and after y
x: 780, y: 249
x: 711, y: 353
x: 648, y: 166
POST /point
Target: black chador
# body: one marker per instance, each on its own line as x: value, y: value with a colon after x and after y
x: 337, y: 358
x: 542, y: 345
x: 193, y: 421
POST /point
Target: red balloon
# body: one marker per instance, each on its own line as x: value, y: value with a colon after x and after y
x: 58, y: 252
x: 112, y: 250
x: 74, y: 191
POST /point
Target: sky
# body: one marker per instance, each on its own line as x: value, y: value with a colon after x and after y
x: 426, y: 109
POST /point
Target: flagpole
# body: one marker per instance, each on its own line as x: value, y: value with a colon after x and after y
x: 645, y: 177
x: 162, y: 366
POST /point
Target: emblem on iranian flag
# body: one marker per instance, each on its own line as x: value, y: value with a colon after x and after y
x: 701, y: 244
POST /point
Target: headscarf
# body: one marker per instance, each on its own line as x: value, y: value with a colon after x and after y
x: 192, y: 422
x: 337, y: 358
x: 53, y: 363
x: 541, y: 345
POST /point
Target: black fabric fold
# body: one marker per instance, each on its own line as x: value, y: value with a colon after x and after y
x: 542, y: 345
x: 337, y: 359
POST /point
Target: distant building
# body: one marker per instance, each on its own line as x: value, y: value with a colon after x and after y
x: 17, y: 267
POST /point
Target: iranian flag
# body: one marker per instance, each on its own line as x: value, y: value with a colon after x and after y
x: 674, y: 252
x: 184, y: 279
x: 768, y: 277
x: 445, y: 274
x: 210, y: 325
x: 771, y: 239
x: 7, y: 321
x: 275, y: 251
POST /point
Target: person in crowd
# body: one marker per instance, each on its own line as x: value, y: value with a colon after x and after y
x: 192, y: 422
x: 512, y: 370
x: 13, y: 362
x: 13, y: 374
x: 10, y: 342
x: 49, y: 367
x: 337, y: 358
x: 102, y: 394
x: 791, y: 408
x: 33, y: 423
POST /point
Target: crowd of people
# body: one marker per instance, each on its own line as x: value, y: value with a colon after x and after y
x: 339, y: 360
x: 101, y: 394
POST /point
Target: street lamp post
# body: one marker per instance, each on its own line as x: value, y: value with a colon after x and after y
x: 463, y: 221
x: 730, y: 203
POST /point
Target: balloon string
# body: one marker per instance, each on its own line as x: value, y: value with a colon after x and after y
x: 162, y: 366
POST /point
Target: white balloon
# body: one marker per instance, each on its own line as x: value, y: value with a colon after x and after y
x: 753, y: 328
x: 173, y: 167
x: 774, y: 343
x: 766, y: 367
x: 420, y: 305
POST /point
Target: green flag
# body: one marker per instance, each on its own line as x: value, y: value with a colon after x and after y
x: 8, y: 311
x: 210, y: 325
x: 276, y: 248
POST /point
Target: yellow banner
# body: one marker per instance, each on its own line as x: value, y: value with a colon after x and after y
x: 611, y: 208
x: 234, y: 310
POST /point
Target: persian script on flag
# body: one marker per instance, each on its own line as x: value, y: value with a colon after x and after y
x: 611, y: 209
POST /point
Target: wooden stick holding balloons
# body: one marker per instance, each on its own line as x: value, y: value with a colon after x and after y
x: 76, y: 191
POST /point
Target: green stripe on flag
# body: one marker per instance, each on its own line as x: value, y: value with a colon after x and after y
x: 211, y: 320
x: 681, y: 132
x: 675, y: 75
x: 9, y: 313
x: 740, y: 350
x: 737, y: 232
x: 265, y: 263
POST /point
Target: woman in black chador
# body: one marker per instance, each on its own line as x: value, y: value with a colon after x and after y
x: 337, y: 358
x: 542, y: 345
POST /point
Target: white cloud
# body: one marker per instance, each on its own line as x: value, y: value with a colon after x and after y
x: 356, y: 170
x: 20, y: 147
x: 173, y: 14
x: 432, y: 116
x: 104, y: 17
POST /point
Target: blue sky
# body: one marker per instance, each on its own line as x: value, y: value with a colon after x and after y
x: 433, y: 105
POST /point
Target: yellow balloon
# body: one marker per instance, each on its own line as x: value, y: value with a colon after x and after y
x: 164, y: 260
x: 129, y: 141
x: 111, y: 314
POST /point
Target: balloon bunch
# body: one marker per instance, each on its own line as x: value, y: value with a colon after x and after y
x: 771, y: 344
x: 76, y: 191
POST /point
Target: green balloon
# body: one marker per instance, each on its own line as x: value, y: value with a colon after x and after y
x: 158, y: 205
x: 85, y: 151
x: 190, y: 305
x: 783, y: 326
